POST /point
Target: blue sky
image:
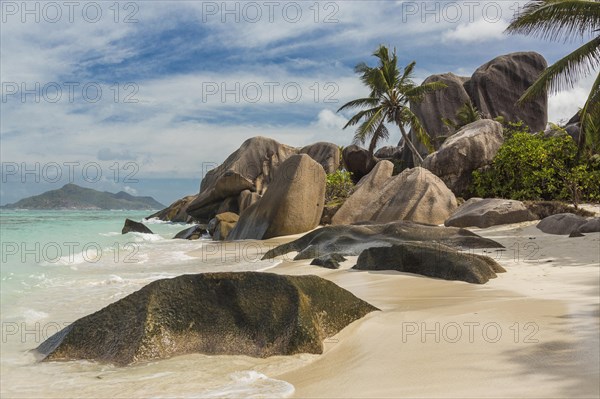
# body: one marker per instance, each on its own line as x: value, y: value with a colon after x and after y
x: 183, y: 83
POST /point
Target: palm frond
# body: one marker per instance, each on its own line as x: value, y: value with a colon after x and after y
x: 557, y: 19
x: 565, y: 72
x: 369, y: 126
x: 360, y: 102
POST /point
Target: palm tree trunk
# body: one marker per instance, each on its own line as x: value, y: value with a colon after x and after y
x: 417, y: 158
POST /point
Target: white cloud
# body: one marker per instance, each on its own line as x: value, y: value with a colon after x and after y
x: 327, y: 119
x: 562, y: 106
x: 476, y: 32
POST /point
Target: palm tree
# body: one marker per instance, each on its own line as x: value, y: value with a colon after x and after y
x: 566, y: 20
x: 388, y: 102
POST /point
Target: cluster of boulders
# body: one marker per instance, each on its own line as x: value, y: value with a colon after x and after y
x: 410, y: 222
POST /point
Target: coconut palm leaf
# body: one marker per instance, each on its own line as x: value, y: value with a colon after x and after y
x: 565, y: 73
x: 557, y: 20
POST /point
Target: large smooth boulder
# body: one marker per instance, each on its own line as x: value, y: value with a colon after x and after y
x: 478, y: 212
x: 176, y: 212
x: 472, y: 147
x: 253, y: 314
x: 358, y: 161
x: 250, y: 167
x: 225, y: 222
x: 327, y: 154
x: 440, y: 104
x: 352, y: 240
x: 132, y: 226
x: 247, y: 198
x: 591, y: 226
x: 432, y: 260
x: 496, y: 86
x: 561, y: 224
x: 416, y: 195
x: 357, y: 207
x: 293, y: 203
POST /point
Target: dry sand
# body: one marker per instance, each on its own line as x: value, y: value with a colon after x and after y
x: 532, y: 332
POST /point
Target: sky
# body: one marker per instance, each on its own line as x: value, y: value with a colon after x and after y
x: 146, y: 96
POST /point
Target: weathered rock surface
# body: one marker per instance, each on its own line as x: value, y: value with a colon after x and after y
x: 357, y: 207
x: 327, y: 154
x: 352, y: 240
x: 192, y: 233
x: 292, y: 204
x: 496, y: 86
x: 253, y: 314
x: 389, y: 152
x: 478, y: 212
x: 432, y: 260
x: 358, y: 161
x: 250, y: 167
x: 329, y: 212
x: 135, y: 227
x: 440, y: 104
x: 416, y: 195
x: 246, y: 199
x: 225, y: 222
x: 472, y: 147
x: 330, y: 261
x: 176, y: 212
x: 561, y: 224
x: 591, y: 226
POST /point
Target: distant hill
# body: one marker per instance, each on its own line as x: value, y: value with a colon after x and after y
x: 71, y: 196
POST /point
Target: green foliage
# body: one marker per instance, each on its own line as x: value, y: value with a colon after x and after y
x: 338, y: 186
x: 531, y: 167
x: 391, y: 93
x: 465, y: 115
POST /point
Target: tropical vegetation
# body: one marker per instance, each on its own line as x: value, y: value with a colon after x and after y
x: 567, y: 20
x: 391, y: 92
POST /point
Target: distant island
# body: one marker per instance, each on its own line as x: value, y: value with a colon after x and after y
x: 72, y: 196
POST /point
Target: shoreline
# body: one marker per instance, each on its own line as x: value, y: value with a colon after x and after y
x: 531, y: 332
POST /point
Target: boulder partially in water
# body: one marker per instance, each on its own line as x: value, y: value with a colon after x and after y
x: 253, y: 314
x: 135, y: 227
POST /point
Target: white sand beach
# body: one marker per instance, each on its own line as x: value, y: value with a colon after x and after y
x: 532, y: 332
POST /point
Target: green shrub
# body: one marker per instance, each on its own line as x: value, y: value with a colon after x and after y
x: 338, y: 187
x: 532, y: 167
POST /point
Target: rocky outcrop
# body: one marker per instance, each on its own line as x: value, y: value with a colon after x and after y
x: 494, y: 89
x: 252, y: 314
x: 561, y: 224
x: 440, y: 104
x: 357, y: 207
x: 591, y: 226
x: 225, y: 222
x: 135, y: 227
x: 251, y: 167
x: 472, y: 147
x: 358, y: 161
x: 176, y: 212
x: 432, y: 260
x: 482, y: 213
x: 245, y: 175
x: 496, y: 86
x: 352, y: 240
x: 292, y: 204
x: 327, y: 154
x: 415, y: 195
x: 329, y: 211
x: 192, y: 233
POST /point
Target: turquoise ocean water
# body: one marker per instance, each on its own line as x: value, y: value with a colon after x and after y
x: 58, y: 266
